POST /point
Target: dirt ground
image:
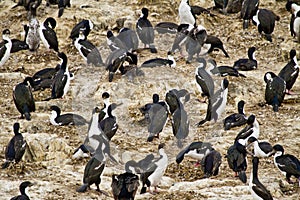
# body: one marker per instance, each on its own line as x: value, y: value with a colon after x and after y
x: 48, y: 161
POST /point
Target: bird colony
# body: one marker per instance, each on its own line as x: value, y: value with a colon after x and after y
x: 150, y: 100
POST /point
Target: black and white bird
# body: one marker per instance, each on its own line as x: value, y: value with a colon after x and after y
x: 195, y: 150
x: 81, y: 152
x: 294, y: 8
x: 23, y: 98
x: 109, y: 124
x: 180, y: 124
x: 226, y: 71
x: 205, y: 82
x: 93, y: 130
x: 124, y: 186
x: 15, y: 149
x: 18, y: 45
x: 87, y: 50
x: 58, y: 119
x: 30, y: 6
x: 61, y: 82
x: 23, y: 186
x: 32, y: 34
x: 261, y: 149
x: 48, y: 35
x: 46, y: 73
x: 195, y: 41
x: 155, y: 99
x: 174, y: 96
x: 114, y: 42
x: 116, y: 59
x: 265, y: 22
x: 213, y: 43
x: 92, y: 174
x: 236, y: 119
x: 166, y: 27
x: 251, y: 130
x: 157, y: 62
x: 129, y: 38
x: 237, y: 160
x: 210, y: 164
x: 154, y: 171
x: 249, y: 9
x: 290, y: 72
x: 181, y: 38
x: 85, y: 24
x: 145, y: 30
x: 275, y: 90
x: 62, y: 4
x: 246, y: 64
x: 5, y: 47
x: 216, y: 103
x: 185, y: 13
x: 257, y: 189
x: 287, y: 164
x: 138, y: 167
x: 158, y: 116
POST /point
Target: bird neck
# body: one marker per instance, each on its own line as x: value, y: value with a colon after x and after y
x: 241, y: 109
x: 23, y: 191
x: 6, y: 38
x: 295, y: 61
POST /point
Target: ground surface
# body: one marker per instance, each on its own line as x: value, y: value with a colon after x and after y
x: 49, y: 162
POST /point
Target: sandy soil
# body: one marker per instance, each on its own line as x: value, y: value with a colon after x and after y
x: 48, y: 163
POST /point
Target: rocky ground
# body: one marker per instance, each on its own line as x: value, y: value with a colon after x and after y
x: 48, y: 161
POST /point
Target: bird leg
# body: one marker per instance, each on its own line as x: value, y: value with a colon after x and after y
x: 290, y: 92
x: 197, y: 164
x: 236, y: 174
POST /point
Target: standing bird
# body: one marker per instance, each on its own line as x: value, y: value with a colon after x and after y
x: 124, y: 186
x: 216, y: 103
x: 275, y: 90
x: 265, y: 22
x: 87, y: 25
x: 62, y: 4
x: 204, y: 81
x: 295, y: 19
x: 48, y: 35
x: 129, y: 39
x: 15, y: 149
x: 257, y: 189
x: 32, y: 34
x: 196, y: 150
x: 57, y: 119
x: 290, y: 72
x: 109, y: 124
x: 158, y: 116
x: 195, y: 41
x: 249, y: 9
x: 245, y: 64
x: 154, y: 171
x: 236, y: 158
x: 61, y: 82
x: 185, y: 13
x: 287, y: 164
x: 92, y: 173
x: 145, y: 30
x: 210, y: 164
x: 180, y: 124
x: 23, y: 186
x: 5, y: 47
x: 87, y: 50
x: 181, y: 38
x: 23, y: 98
x: 261, y: 149
x: 236, y: 119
